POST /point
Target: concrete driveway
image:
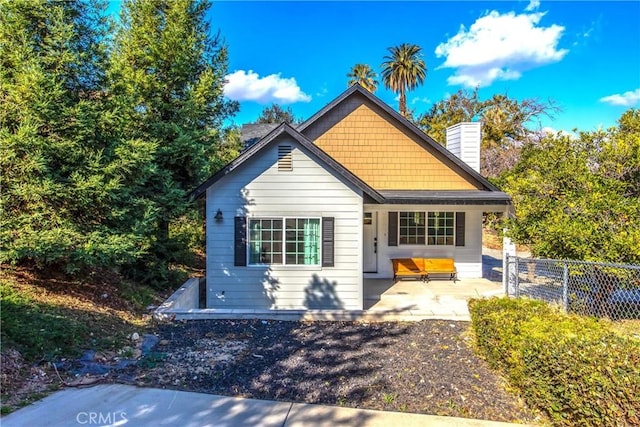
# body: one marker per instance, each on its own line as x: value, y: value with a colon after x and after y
x: 123, y: 405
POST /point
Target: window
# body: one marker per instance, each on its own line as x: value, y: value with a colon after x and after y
x: 440, y: 228
x: 303, y: 241
x: 412, y: 228
x: 265, y: 241
x: 300, y: 240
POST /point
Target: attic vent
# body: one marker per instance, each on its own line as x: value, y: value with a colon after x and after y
x: 285, y: 161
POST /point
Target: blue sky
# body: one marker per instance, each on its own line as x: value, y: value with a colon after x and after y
x: 584, y: 55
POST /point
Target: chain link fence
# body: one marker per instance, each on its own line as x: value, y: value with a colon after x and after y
x: 585, y: 288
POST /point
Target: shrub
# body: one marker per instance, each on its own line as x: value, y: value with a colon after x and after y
x: 574, y: 368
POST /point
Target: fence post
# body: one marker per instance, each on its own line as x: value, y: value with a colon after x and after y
x: 516, y: 281
x: 508, y: 250
x: 505, y: 274
x: 565, y: 286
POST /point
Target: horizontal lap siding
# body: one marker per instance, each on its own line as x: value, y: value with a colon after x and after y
x: 258, y: 189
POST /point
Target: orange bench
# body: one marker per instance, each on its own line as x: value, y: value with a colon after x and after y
x: 408, y: 267
x: 422, y: 268
x: 440, y: 266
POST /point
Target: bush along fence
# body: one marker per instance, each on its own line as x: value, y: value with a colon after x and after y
x: 574, y: 368
x: 580, y: 287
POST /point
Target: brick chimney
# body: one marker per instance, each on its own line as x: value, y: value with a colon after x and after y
x: 463, y: 141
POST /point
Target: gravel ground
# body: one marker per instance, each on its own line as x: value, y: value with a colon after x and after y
x: 422, y: 367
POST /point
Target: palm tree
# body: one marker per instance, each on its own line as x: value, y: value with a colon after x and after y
x: 403, y: 70
x: 364, y: 75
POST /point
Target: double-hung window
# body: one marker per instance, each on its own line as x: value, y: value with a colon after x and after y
x: 287, y: 241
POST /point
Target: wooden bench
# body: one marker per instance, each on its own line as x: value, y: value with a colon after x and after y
x: 408, y: 267
x: 440, y: 266
x: 423, y: 268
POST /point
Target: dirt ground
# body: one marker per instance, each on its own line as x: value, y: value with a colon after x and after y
x: 421, y: 367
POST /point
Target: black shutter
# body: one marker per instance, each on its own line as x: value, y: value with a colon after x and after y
x: 240, y: 247
x: 393, y: 229
x: 327, y: 241
x: 460, y: 218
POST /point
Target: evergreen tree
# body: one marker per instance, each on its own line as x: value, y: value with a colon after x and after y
x: 167, y: 73
x: 62, y: 176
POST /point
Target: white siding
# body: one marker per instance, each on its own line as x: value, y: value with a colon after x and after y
x: 468, y: 258
x: 463, y: 141
x: 258, y: 189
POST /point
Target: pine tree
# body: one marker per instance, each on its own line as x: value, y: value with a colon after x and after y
x: 167, y: 72
x: 62, y: 180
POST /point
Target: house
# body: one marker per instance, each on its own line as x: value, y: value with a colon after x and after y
x: 304, y: 215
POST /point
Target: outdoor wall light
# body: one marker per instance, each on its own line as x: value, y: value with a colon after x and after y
x: 218, y: 216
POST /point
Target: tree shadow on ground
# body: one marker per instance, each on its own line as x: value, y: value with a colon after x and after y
x: 311, y: 362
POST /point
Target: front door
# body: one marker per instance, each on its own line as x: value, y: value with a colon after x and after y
x: 370, y: 242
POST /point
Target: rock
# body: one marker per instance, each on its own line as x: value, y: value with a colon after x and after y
x: 88, y: 356
x: 149, y: 342
x: 135, y: 336
x: 137, y: 353
x: 163, y: 342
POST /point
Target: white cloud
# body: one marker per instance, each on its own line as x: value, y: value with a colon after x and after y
x: 500, y: 47
x: 249, y: 86
x: 627, y: 99
x: 533, y: 5
x: 417, y: 99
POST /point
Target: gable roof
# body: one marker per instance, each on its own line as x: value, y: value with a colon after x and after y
x: 286, y: 129
x: 489, y: 195
x: 425, y: 141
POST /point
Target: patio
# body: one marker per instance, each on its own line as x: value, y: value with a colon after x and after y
x: 417, y: 300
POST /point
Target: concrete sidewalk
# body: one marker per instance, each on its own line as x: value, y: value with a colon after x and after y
x: 123, y: 405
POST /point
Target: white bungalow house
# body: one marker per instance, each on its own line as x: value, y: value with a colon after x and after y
x: 305, y: 214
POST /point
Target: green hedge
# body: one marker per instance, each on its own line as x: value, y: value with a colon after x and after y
x: 573, y: 368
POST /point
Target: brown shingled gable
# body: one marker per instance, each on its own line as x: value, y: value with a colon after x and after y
x: 382, y: 152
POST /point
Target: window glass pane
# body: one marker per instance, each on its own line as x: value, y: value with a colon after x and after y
x: 265, y: 243
x: 441, y: 228
x: 303, y: 241
x: 411, y: 228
